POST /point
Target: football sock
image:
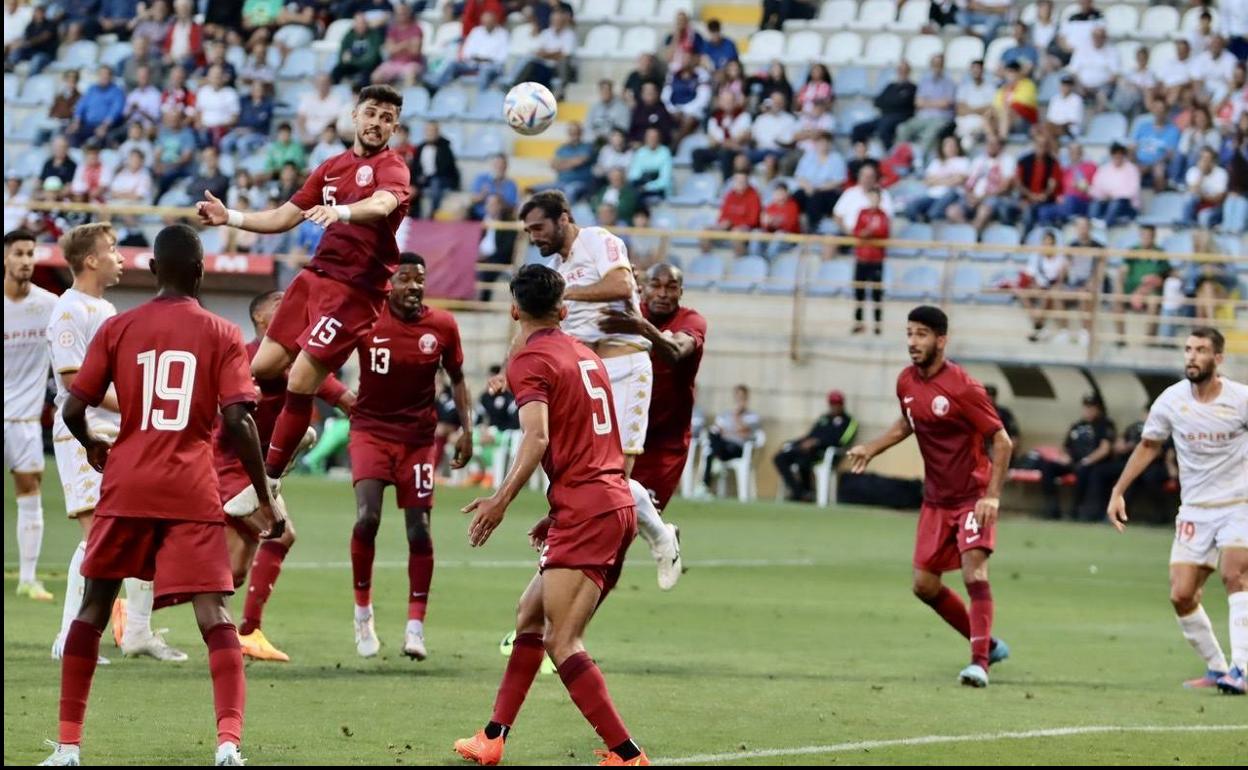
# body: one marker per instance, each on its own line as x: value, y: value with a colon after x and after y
x: 419, y: 577
x: 265, y: 569
x: 1198, y: 632
x: 29, y: 535
x: 649, y: 523
x: 495, y: 730
x: 292, y: 423
x: 627, y: 750
x: 949, y: 606
x: 229, y: 685
x: 74, y: 586
x: 588, y: 690
x: 527, y: 653
x: 82, y: 650
x: 981, y: 621
x: 363, y: 548
x: 1238, y: 602
x: 139, y: 597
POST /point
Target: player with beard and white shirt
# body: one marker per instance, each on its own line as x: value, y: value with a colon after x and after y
x: 26, y: 311
x: 1206, y: 415
x: 91, y: 251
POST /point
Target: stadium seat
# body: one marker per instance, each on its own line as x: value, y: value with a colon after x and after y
x: 480, y: 142
x: 669, y: 8
x: 1167, y: 209
x: 604, y: 37
x: 921, y: 49
x: 523, y: 40
x: 597, y: 11
x: 331, y: 41
x: 882, y: 50
x: 782, y: 279
x: 911, y: 231
x: 454, y: 133
x: 23, y: 130
x: 1234, y: 246
x: 684, y: 153
x: 954, y: 234
x: 1049, y: 87
x: 852, y: 81
x: 292, y: 36
x: 115, y: 53
x: 415, y: 101
x: 849, y: 114
x: 745, y: 274
x: 803, y: 47
x: 1106, y: 128
x: 448, y: 103
x: 917, y: 283
x: 1158, y: 23
x: 636, y: 12
x: 990, y: 295
x: 843, y: 48
x: 38, y: 90
x: 1191, y: 17
x: 833, y: 278
x: 1121, y: 21
x: 997, y: 235
x: 1177, y: 243
x: 966, y: 284
x: 997, y: 48
x: 636, y: 41
x: 300, y: 64
x: 835, y: 14
x: 81, y: 54
x: 874, y: 15
x: 911, y: 17
x: 698, y: 190
x: 487, y: 107
x: 30, y: 163
x: 705, y: 271
x: 699, y: 219
x: 1160, y: 55
x: 765, y: 45
x: 213, y: 239
x: 961, y: 51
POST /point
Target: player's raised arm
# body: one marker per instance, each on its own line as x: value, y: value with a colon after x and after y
x: 617, y: 284
x: 671, y: 347
x: 1145, y: 453
x: 535, y: 422
x: 379, y: 205
x: 212, y: 212
x: 242, y: 430
x: 862, y: 454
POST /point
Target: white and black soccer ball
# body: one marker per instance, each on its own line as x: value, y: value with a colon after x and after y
x: 530, y: 108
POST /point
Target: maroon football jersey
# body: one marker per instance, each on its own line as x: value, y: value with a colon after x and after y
x: 950, y: 414
x: 399, y: 363
x: 174, y: 365
x: 583, y: 459
x: 672, y: 413
x: 362, y: 254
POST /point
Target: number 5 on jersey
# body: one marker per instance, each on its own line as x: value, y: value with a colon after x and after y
x: 601, y: 427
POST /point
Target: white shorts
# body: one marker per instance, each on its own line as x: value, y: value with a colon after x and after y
x: 1199, y: 542
x: 79, y: 480
x: 23, y: 446
x: 631, y: 380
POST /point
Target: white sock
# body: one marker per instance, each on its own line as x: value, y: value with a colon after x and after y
x: 363, y: 613
x: 416, y: 627
x: 139, y: 598
x: 649, y: 524
x: 29, y: 534
x: 1199, y: 633
x: 1238, y: 602
x: 74, y: 585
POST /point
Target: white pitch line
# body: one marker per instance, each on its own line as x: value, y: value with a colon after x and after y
x: 927, y: 740
x: 531, y: 563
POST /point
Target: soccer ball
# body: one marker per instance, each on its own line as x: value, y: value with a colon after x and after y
x: 529, y: 108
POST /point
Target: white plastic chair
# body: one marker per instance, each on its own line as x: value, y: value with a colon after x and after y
x: 741, y: 468
x: 825, y: 479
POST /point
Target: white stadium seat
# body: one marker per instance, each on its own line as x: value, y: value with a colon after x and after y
x: 912, y: 17
x: 875, y: 15
x: 597, y: 10
x: 835, y: 14
x: 803, y: 47
x: 843, y: 48
x: 996, y: 49
x: 1121, y: 21
x: 636, y: 12
x: 921, y: 49
x: 1191, y: 18
x: 604, y: 37
x: 669, y: 8
x: 882, y: 50
x: 961, y: 51
x: 1159, y: 22
x: 764, y: 46
x: 523, y: 41
x: 636, y: 41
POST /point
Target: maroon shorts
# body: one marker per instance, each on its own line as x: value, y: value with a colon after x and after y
x: 944, y: 534
x: 324, y: 318
x: 408, y: 467
x: 595, y: 546
x: 659, y: 470
x: 184, y: 558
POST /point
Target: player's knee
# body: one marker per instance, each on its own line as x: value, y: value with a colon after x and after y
x: 1235, y: 580
x: 1184, y: 598
x: 925, y: 587
x: 367, y: 521
x: 560, y: 647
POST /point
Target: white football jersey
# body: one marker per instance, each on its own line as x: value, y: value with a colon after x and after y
x: 26, y: 353
x: 1211, y: 441
x: 76, y: 317
x: 595, y: 252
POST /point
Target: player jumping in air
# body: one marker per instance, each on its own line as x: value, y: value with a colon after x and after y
x: 1207, y: 416
x: 950, y: 414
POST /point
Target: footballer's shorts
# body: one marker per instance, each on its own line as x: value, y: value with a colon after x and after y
x: 409, y: 467
x: 595, y: 546
x: 183, y: 558
x: 79, y: 481
x: 631, y: 379
x: 324, y: 318
x: 1201, y: 533
x: 944, y: 534
x: 23, y: 446
x: 659, y: 470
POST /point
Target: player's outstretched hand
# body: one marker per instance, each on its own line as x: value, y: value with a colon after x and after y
x: 97, y: 454
x: 271, y: 519
x: 322, y: 215
x: 986, y: 509
x: 615, y: 321
x: 489, y: 514
x: 496, y: 384
x: 1118, y: 512
x: 860, y: 457
x: 211, y: 210
x: 463, y: 450
x: 537, y: 535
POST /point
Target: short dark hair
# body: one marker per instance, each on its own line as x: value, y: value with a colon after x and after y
x: 713, y: 25
x: 932, y: 317
x: 284, y: 126
x: 537, y: 290
x: 381, y: 93
x: 1213, y: 335
x: 553, y: 203
x: 666, y: 267
x: 177, y: 250
x: 1151, y: 228
x: 13, y: 236
x: 411, y: 258
x: 980, y: 62
x: 496, y: 369
x: 259, y: 300
x: 742, y: 387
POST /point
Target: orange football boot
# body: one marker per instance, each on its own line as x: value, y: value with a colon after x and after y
x: 118, y: 619
x: 480, y: 749
x: 611, y: 759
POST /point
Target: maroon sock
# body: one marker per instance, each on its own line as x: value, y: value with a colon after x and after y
x: 981, y: 621
x: 949, y: 606
x: 589, y: 692
x: 363, y: 540
x: 229, y: 685
x: 264, y: 571
x: 82, y: 650
x: 527, y: 653
x: 292, y: 423
x: 419, y: 577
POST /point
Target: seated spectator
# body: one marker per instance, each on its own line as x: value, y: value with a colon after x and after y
x: 618, y: 193
x: 645, y: 251
x: 1089, y: 443
x: 329, y: 145
x: 284, y: 149
x: 777, y: 12
x: 651, y: 170
x: 1008, y: 421
x: 359, y: 54
x: 133, y: 183
x: 732, y: 78
x: 99, y: 111
x: 605, y: 215
x: 1076, y: 188
x: 940, y: 13
x: 992, y: 15
x: 574, y: 166
x: 152, y: 25
x: 1079, y: 279
x: 177, y: 95
x: 860, y: 155
x: 1045, y: 272
x: 175, y: 149
x: 765, y: 84
x: 287, y: 183
x: 1199, y: 135
x: 1200, y: 37
x: 1177, y: 74
x: 209, y: 177
x: 650, y: 113
x: 1132, y: 86
x: 1023, y: 51
x: 497, y: 247
x: 136, y: 139
x: 781, y: 215
x: 728, y: 133
x: 820, y: 175
x: 214, y: 56
x: 687, y: 97
x: 217, y: 106
x: 1115, y: 188
x: 989, y: 188
x: 733, y: 429
x: 614, y: 154
x: 1206, y: 191
x: 772, y: 131
x: 1064, y: 116
x: 403, y: 49
x: 142, y: 55
x: 974, y: 98
x: 716, y: 50
x: 1039, y: 181
x: 896, y: 105
x: 1015, y: 106
x: 606, y: 115
x: 66, y: 99
x: 873, y: 223
x: 816, y: 90
x: 79, y: 19
x: 537, y: 13
x: 1155, y: 142
x: 552, y: 64
x: 945, y: 177
x: 143, y: 101
x: 797, y: 459
x: 255, y: 119
x: 258, y: 65
x: 935, y: 100
x: 1150, y: 484
x: 815, y: 120
x: 1214, y: 70
x: 740, y: 211
x: 1142, y: 280
x: 483, y: 55
x: 682, y: 44
x: 183, y: 43
x: 318, y: 108
x: 39, y: 42
x: 855, y: 198
x: 92, y: 178
x: 1075, y: 31
x: 493, y: 182
x: 246, y: 192
x: 648, y: 71
x: 1096, y: 67
x: 1235, y: 210
x: 1209, y: 282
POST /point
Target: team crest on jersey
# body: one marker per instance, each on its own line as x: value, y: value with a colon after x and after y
x: 363, y: 176
x: 428, y: 344
x: 65, y: 339
x: 940, y: 406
